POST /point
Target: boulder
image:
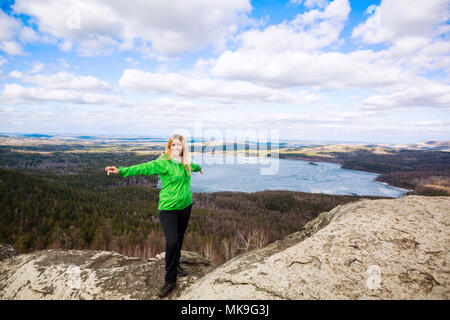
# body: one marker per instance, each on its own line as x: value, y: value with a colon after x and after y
x: 368, y: 249
x: 85, y: 274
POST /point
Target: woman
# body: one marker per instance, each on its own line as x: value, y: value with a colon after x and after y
x: 174, y: 168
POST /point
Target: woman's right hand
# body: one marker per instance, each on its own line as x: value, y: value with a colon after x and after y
x: 111, y: 170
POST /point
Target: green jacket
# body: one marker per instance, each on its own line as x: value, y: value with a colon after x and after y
x: 175, y: 193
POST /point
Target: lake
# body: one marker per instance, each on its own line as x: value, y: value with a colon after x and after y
x: 293, y: 175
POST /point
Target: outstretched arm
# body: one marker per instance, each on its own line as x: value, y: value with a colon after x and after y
x: 158, y: 166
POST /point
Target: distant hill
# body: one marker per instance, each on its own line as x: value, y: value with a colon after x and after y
x: 431, y: 145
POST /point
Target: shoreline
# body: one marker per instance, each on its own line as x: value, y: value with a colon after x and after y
x: 306, y: 159
x: 311, y: 162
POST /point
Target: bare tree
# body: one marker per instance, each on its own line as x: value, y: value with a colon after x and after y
x: 231, y: 246
x: 208, y: 250
x: 261, y: 239
x: 226, y: 248
x: 252, y: 239
x: 245, y: 240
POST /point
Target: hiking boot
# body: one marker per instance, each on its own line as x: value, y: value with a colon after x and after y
x: 166, y: 289
x: 181, y: 272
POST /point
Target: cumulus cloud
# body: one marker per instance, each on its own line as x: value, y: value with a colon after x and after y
x: 67, y: 88
x: 416, y: 33
x: 66, y: 80
x: 314, y: 29
x: 8, y: 26
x: 37, y: 67
x: 57, y: 87
x: 13, y: 35
x: 60, y: 80
x: 15, y: 94
x: 419, y: 55
x: 16, y: 74
x: 307, y: 57
x: 426, y: 94
x: 326, y: 70
x: 293, y: 54
x: 433, y: 123
x: 167, y: 27
x: 397, y: 19
x: 12, y: 48
x: 214, y: 89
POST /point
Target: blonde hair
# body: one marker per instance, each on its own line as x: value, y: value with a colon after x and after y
x: 185, y: 153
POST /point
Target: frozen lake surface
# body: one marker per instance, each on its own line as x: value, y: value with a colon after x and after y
x: 246, y: 174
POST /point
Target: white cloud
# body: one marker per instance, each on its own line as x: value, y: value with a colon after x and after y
x: 16, y: 74
x: 11, y: 30
x: 65, y: 80
x: 37, y: 67
x: 292, y: 54
x: 148, y: 109
x: 2, y: 62
x: 28, y: 35
x: 419, y: 55
x: 432, y: 123
x: 311, y: 30
x: 58, y: 87
x: 330, y: 70
x: 8, y: 27
x: 396, y: 19
x: 170, y: 27
x: 12, y: 48
x: 67, y: 88
x: 207, y: 88
x: 426, y: 94
x: 415, y: 30
x: 65, y: 46
x: 63, y: 63
x: 14, y: 94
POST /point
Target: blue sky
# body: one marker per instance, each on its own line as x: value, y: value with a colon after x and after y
x: 369, y: 71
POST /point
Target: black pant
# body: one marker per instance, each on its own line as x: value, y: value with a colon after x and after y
x: 174, y: 224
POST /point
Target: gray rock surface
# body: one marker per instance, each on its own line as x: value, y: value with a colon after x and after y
x: 369, y: 249
x: 83, y: 274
